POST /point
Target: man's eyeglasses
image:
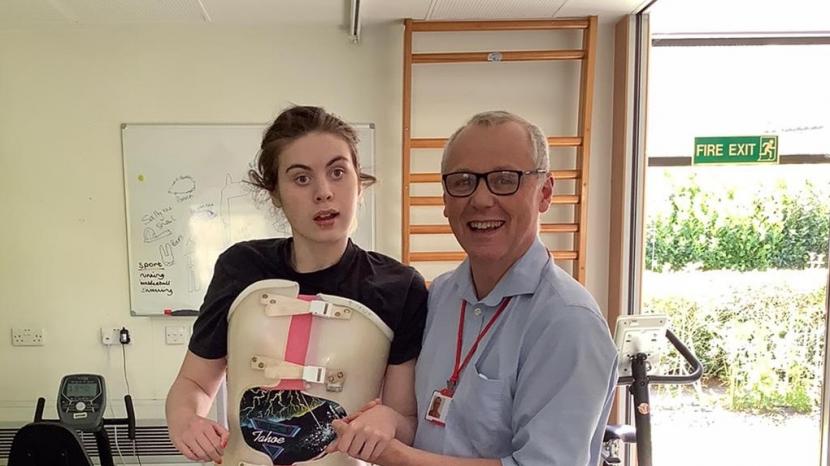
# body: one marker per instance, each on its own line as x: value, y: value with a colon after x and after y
x: 499, y: 182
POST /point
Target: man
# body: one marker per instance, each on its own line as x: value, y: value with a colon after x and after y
x: 517, y: 365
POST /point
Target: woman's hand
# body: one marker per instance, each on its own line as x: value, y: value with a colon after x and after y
x: 200, y: 439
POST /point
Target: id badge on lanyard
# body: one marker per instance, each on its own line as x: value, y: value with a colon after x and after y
x: 439, y: 404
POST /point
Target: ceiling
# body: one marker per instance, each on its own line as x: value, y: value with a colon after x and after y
x: 668, y: 16
x: 32, y: 13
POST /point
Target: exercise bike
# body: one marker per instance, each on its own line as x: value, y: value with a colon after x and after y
x: 82, y: 399
x: 639, y: 339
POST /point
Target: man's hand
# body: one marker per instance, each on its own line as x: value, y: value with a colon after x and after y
x: 200, y: 439
x: 365, y: 434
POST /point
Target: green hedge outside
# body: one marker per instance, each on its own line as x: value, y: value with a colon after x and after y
x: 762, y: 338
x: 781, y: 229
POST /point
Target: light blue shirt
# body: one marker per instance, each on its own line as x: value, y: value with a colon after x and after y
x: 539, y: 388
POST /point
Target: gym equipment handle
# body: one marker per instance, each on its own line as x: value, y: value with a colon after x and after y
x: 129, y: 421
x: 682, y: 379
x: 41, y: 402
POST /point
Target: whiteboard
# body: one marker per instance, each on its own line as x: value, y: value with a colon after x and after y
x: 186, y: 203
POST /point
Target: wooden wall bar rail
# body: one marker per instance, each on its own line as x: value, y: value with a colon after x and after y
x: 586, y: 104
x: 436, y: 177
x: 452, y: 256
x: 557, y: 199
x: 438, y: 143
x: 520, y: 25
x: 407, y: 137
x: 473, y: 57
x: 445, y: 229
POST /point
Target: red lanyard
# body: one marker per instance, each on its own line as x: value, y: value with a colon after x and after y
x: 459, y: 366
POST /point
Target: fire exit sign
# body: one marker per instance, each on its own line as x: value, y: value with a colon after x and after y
x: 736, y: 149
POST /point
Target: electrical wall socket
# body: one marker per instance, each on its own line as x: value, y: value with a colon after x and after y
x: 28, y: 336
x: 109, y: 335
x: 175, y: 334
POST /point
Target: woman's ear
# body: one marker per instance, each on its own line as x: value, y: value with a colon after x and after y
x: 361, y: 183
x: 275, y: 199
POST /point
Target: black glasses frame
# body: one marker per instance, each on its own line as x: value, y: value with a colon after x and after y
x: 479, y: 176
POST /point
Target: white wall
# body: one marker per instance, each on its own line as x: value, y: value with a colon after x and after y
x: 63, y: 94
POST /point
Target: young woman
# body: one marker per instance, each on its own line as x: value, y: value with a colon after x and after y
x: 309, y: 167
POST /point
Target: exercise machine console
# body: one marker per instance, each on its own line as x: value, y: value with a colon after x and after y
x: 82, y: 400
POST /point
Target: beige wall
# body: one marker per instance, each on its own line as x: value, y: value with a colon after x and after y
x: 63, y: 94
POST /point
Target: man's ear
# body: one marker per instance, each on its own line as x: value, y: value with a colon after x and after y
x: 546, y: 191
x: 446, y: 198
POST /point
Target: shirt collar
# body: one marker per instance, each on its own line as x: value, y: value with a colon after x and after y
x: 521, y: 278
x: 334, y: 271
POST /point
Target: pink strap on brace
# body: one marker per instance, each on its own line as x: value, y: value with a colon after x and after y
x: 296, y: 347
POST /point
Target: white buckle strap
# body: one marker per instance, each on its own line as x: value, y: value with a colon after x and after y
x: 324, y: 309
x: 282, y: 306
x: 279, y: 369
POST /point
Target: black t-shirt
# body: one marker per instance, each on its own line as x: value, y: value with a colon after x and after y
x: 395, y: 292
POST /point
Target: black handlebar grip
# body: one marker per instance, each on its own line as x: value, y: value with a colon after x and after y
x: 691, y: 359
x: 41, y: 402
x: 128, y: 402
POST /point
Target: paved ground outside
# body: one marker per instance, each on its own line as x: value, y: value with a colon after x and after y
x: 692, y: 429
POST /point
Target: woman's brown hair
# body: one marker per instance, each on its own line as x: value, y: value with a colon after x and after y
x: 292, y: 124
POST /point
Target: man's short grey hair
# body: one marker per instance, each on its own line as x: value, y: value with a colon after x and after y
x: 538, y: 141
